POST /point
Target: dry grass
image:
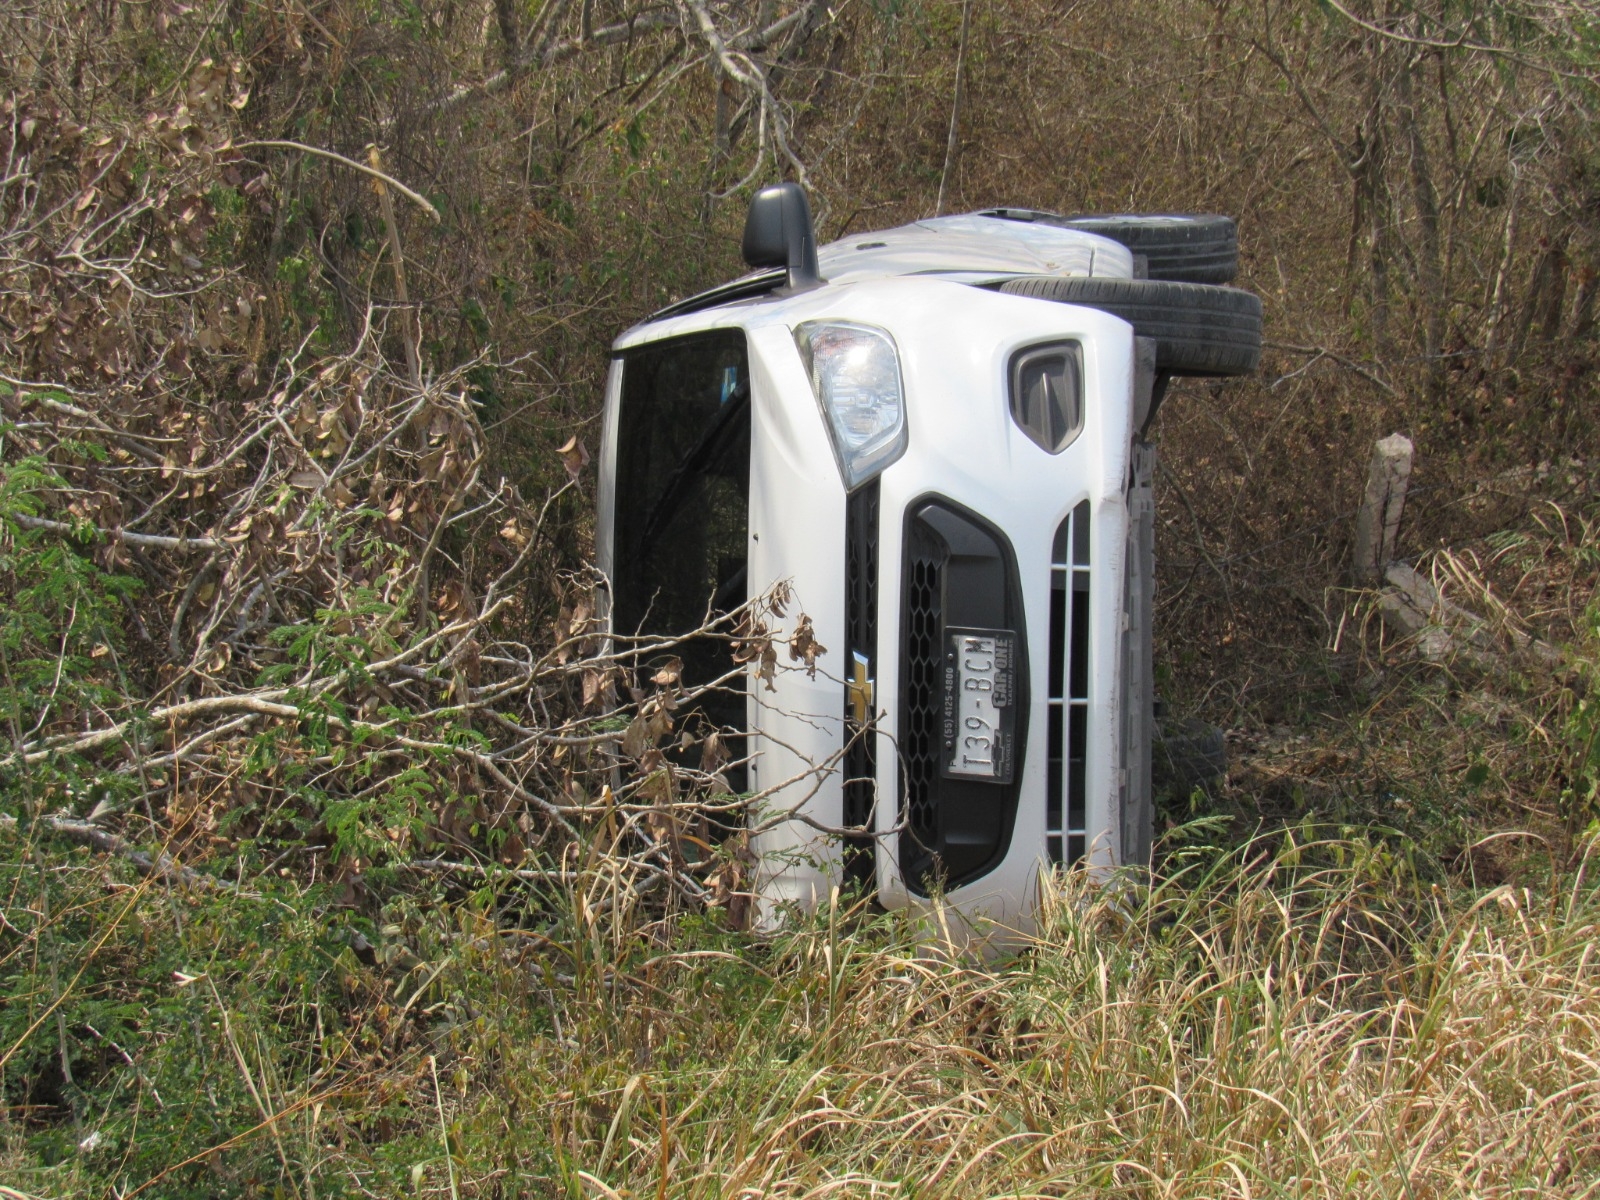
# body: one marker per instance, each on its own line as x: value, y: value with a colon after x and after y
x: 1297, y: 1017
x: 1261, y: 1028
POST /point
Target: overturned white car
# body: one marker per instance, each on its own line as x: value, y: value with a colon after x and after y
x: 936, y: 434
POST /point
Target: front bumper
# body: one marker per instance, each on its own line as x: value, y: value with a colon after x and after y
x: 975, y: 526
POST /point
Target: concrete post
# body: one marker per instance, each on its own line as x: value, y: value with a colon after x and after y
x: 1378, y: 522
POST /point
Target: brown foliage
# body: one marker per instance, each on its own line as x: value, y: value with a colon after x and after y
x: 324, y: 413
x: 341, y: 631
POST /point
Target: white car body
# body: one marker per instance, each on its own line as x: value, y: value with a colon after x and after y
x: 955, y: 342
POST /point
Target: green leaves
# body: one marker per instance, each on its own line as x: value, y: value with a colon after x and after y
x: 375, y: 826
x: 61, y: 627
x: 336, y: 639
x: 1580, y: 799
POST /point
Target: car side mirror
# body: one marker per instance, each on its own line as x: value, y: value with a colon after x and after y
x: 778, y: 233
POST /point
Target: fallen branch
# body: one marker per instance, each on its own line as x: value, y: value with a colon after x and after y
x: 264, y: 703
x: 416, y: 198
x: 435, y: 866
x: 163, y: 866
x: 152, y: 541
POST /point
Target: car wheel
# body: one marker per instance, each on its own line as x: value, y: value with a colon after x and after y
x: 1200, y: 248
x: 1184, y: 249
x: 1198, y: 329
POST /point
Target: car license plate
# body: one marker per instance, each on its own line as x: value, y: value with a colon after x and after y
x: 980, y: 704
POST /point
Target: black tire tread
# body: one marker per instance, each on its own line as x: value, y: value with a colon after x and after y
x: 1202, y: 248
x: 1177, y: 247
x: 1199, y: 329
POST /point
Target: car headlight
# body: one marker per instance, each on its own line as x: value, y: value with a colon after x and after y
x: 855, y: 373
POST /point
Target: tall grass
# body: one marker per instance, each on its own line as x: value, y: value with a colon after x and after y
x: 1295, y: 1017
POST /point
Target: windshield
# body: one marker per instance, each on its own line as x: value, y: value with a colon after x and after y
x: 682, y: 501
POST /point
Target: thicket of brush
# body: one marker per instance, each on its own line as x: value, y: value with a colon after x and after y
x: 316, y: 880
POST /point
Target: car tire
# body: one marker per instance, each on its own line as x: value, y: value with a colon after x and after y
x: 1198, y: 329
x: 1181, y: 248
x: 1187, y: 755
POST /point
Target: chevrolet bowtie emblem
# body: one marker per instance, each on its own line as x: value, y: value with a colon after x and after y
x: 859, y: 691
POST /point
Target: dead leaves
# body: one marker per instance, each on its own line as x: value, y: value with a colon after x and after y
x: 199, y: 124
x: 577, y: 635
x: 752, y: 642
x: 454, y: 600
x: 729, y: 884
x: 596, y: 686
x: 803, y: 646
x: 753, y: 639
x: 713, y: 753
x: 652, y: 724
x: 574, y: 457
x: 654, y: 720
x: 575, y: 623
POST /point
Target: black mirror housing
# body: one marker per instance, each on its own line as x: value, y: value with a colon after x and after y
x: 778, y: 233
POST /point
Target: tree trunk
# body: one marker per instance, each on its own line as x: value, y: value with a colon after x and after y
x: 1430, y: 272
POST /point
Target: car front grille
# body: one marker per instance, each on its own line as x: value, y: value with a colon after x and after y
x: 957, y: 573
x: 861, y: 657
x: 922, y: 668
x: 1068, y: 711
